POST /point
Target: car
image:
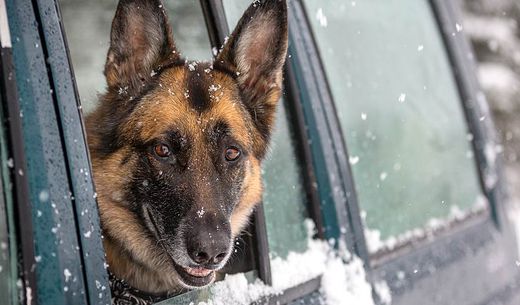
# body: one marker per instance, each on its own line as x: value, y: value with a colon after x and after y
x: 383, y: 184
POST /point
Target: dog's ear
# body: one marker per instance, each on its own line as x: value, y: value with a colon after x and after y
x: 256, y: 53
x: 140, y: 41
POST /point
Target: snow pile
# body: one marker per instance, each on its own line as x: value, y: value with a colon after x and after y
x: 341, y: 283
x: 384, y: 293
x: 375, y: 244
x: 345, y: 284
x: 236, y: 290
x: 298, y: 268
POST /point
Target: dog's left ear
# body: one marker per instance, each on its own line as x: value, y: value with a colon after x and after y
x: 256, y: 52
x: 140, y: 41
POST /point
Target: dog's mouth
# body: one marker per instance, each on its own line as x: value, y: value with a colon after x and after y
x: 192, y: 277
x: 195, y: 277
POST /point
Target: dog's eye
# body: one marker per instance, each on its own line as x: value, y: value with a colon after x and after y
x: 162, y: 150
x: 232, y: 153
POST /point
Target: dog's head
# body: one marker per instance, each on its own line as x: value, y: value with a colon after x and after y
x: 176, y: 146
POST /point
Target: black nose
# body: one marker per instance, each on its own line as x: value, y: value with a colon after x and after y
x: 208, y: 245
x: 204, y: 258
x: 208, y: 250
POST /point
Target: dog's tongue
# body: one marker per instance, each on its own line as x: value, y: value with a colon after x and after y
x: 198, y: 272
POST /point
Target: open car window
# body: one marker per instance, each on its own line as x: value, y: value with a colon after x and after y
x: 87, y: 26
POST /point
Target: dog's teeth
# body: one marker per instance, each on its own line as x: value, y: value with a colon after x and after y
x: 200, y: 272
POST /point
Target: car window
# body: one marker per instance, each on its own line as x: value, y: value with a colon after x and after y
x: 284, y: 198
x: 8, y: 247
x: 87, y: 26
x: 400, y: 114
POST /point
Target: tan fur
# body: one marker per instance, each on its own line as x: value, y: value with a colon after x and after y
x: 167, y: 106
x: 120, y: 224
x: 252, y: 195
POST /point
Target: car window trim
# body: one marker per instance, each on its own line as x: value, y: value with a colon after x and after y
x: 77, y: 158
x: 216, y: 22
x: 328, y: 145
x: 293, y: 104
x: 20, y: 190
x: 461, y: 56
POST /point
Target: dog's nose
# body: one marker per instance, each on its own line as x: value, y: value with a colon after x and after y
x: 204, y: 258
x: 209, y: 244
x: 208, y: 250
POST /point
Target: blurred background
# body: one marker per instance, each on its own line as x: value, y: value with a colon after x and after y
x: 492, y: 26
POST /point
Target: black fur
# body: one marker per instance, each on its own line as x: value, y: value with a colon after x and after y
x: 198, y: 83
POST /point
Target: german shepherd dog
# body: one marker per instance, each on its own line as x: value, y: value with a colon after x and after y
x: 176, y: 146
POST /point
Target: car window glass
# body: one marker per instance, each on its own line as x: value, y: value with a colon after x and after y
x: 88, y: 23
x: 284, y: 199
x: 400, y: 113
x: 8, y: 247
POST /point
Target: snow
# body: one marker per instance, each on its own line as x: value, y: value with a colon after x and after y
x: 28, y: 295
x: 67, y: 274
x: 353, y: 160
x: 343, y: 281
x: 43, y: 196
x: 375, y: 244
x: 322, y: 19
x: 346, y: 284
x: 384, y: 293
x: 201, y: 212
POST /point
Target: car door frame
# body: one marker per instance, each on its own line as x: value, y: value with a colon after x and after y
x: 58, y: 199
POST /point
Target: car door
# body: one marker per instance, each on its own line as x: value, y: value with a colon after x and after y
x: 422, y: 184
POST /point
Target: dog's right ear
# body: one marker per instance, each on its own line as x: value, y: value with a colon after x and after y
x: 141, y: 40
